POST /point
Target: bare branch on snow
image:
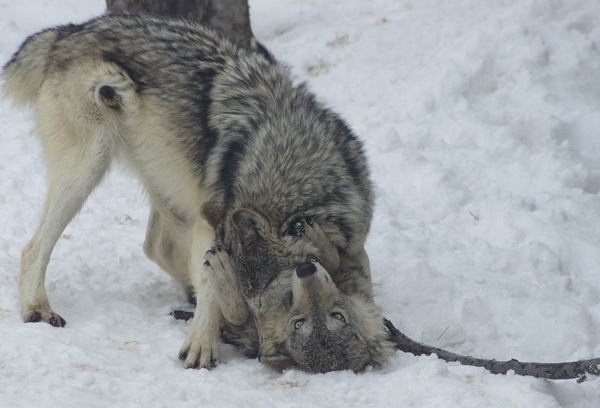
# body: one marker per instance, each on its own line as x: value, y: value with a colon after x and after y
x: 550, y: 371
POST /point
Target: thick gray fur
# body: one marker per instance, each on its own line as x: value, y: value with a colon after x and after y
x: 232, y: 154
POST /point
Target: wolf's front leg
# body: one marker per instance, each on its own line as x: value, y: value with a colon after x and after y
x: 224, y: 282
x: 327, y: 251
x: 353, y: 277
x: 221, y: 297
x: 201, y: 346
x: 349, y: 270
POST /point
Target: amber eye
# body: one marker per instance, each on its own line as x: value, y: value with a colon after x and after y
x: 339, y: 316
x: 298, y: 323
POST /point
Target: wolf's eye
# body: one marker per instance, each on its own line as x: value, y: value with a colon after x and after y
x: 296, y: 228
x: 298, y: 323
x: 339, y: 316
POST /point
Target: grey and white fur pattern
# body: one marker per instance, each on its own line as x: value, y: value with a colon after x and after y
x: 233, y: 156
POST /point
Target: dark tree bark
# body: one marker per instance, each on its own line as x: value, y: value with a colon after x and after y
x: 229, y: 16
x: 550, y: 371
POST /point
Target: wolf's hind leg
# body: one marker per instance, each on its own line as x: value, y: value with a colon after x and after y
x: 163, y: 247
x: 71, y: 181
x: 77, y: 156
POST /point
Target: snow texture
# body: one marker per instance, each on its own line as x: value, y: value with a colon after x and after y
x: 481, y: 121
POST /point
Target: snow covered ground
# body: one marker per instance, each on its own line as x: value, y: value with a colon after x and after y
x: 481, y: 121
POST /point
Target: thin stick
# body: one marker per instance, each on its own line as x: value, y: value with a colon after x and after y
x: 551, y: 371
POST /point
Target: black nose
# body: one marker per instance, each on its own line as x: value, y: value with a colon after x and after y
x: 107, y: 92
x: 306, y: 269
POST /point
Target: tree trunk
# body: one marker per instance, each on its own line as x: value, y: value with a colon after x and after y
x: 229, y: 16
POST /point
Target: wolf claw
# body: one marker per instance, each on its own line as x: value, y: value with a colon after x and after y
x: 57, y: 322
x: 192, y: 359
x: 328, y: 253
x: 49, y: 317
x: 34, y: 318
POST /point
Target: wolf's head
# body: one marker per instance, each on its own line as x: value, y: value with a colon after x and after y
x: 262, y: 247
x: 302, y: 319
x: 317, y: 328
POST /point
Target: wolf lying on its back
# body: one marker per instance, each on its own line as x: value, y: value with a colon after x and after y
x: 231, y: 153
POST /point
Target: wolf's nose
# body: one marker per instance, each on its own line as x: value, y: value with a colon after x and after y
x: 306, y: 269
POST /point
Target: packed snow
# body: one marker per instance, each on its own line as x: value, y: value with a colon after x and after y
x: 481, y: 121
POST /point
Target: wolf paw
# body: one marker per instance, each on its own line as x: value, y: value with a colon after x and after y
x: 34, y: 315
x: 328, y: 253
x: 193, y: 359
x: 199, y: 351
x: 224, y: 282
x: 201, y: 346
x: 219, y: 268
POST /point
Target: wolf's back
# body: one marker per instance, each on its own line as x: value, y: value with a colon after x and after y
x: 24, y: 74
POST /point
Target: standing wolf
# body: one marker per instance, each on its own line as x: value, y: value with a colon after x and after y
x: 232, y: 155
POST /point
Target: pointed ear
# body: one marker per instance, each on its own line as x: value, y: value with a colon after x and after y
x: 213, y: 213
x: 250, y: 224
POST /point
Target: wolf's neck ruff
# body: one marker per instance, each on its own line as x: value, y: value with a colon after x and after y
x: 232, y: 154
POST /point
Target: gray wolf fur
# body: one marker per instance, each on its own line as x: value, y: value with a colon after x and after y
x: 232, y: 155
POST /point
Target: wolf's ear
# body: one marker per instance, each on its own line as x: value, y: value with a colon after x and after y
x: 250, y: 224
x: 213, y: 213
x: 278, y: 362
